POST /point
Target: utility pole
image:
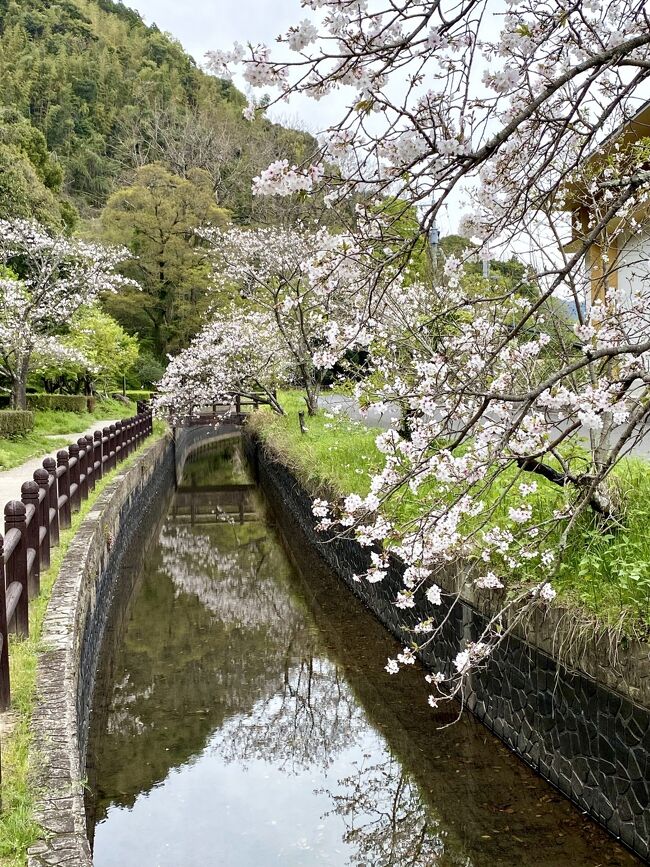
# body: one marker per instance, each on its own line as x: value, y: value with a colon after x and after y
x: 434, y: 239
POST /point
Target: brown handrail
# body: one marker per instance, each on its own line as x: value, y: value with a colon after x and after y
x: 47, y: 503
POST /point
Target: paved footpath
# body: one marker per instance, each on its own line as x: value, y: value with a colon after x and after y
x: 11, y: 480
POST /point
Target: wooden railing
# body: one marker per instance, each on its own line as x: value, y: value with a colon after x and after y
x: 47, y: 502
x: 232, y: 413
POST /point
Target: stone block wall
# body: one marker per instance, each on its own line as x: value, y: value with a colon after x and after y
x: 72, y: 636
x: 588, y: 740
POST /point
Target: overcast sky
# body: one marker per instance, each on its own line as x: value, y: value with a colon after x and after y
x: 202, y: 25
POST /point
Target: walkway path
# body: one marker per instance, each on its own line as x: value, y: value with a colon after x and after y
x: 11, y: 480
x: 639, y: 447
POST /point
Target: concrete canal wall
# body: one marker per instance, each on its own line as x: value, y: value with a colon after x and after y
x: 583, y: 724
x: 73, y: 631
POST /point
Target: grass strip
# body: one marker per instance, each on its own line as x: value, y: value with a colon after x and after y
x: 47, y: 423
x: 604, y: 574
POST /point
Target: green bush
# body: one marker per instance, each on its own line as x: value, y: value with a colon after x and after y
x: 15, y: 423
x: 60, y: 402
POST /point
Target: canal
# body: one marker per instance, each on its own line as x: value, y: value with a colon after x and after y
x: 243, y: 717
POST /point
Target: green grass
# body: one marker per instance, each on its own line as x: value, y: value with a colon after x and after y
x: 18, y: 828
x: 17, y: 450
x: 14, y: 452
x: 604, y: 573
x: 336, y: 455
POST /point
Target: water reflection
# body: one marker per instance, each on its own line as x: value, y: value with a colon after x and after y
x: 249, y: 720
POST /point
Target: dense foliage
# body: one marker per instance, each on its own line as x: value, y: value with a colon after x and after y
x: 15, y: 422
x: 90, y: 93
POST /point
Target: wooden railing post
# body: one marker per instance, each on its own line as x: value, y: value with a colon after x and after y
x: 42, y: 479
x: 106, y: 450
x: 126, y: 438
x: 29, y: 495
x: 75, y: 492
x: 49, y: 464
x: 118, y: 443
x: 113, y: 444
x: 16, y: 566
x: 64, y: 504
x: 5, y: 687
x: 90, y: 462
x: 99, y: 455
x: 83, y: 469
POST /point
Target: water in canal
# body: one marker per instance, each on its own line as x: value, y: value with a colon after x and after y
x: 246, y: 719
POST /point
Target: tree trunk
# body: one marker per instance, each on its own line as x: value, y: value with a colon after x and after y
x: 311, y: 398
x: 19, y: 385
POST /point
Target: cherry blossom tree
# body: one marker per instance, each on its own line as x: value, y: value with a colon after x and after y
x: 308, y: 283
x: 238, y: 353
x: 513, y: 422
x: 47, y: 278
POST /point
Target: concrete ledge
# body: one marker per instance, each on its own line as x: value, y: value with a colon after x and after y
x: 72, y: 635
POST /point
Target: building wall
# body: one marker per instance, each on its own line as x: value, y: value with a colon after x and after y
x: 633, y: 263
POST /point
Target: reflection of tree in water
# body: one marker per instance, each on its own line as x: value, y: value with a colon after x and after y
x: 386, y: 820
x: 231, y: 570
x: 220, y: 462
x: 305, y: 724
x: 215, y: 643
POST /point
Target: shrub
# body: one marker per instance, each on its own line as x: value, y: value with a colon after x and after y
x: 59, y: 402
x: 15, y: 423
x: 139, y: 395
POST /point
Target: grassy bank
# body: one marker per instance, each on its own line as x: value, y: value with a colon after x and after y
x: 48, y: 424
x: 603, y: 575
x: 18, y: 828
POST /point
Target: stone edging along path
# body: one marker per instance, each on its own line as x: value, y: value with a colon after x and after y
x: 72, y: 635
x: 578, y: 731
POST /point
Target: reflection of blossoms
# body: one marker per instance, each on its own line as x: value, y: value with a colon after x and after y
x: 222, y: 576
x: 386, y: 820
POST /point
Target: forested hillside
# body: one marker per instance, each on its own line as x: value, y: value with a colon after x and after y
x: 89, y: 93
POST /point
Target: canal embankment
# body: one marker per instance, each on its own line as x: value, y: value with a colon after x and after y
x: 576, y: 711
x: 245, y: 717
x: 541, y: 710
x: 72, y: 634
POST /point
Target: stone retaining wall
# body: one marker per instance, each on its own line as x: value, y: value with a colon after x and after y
x: 105, y: 547
x: 72, y: 635
x: 588, y: 740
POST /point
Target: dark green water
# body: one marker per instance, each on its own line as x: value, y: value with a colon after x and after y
x: 248, y: 720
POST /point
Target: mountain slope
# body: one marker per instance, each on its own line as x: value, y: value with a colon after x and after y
x: 107, y: 94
